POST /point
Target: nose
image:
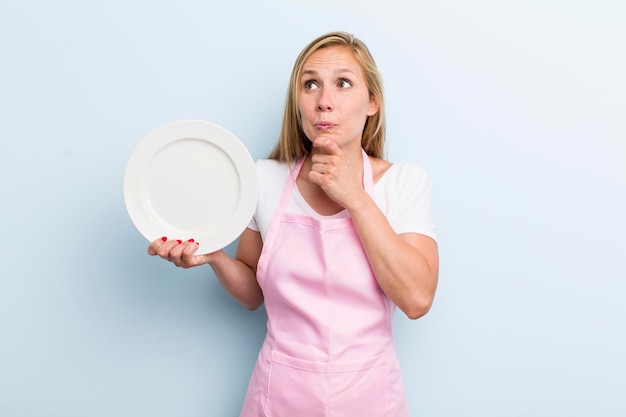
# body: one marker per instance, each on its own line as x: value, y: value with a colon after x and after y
x: 324, y: 101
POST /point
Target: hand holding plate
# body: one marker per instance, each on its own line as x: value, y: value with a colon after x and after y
x: 178, y: 252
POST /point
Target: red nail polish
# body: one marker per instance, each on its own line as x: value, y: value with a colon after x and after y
x: 190, y: 240
x: 164, y: 239
x: 179, y: 241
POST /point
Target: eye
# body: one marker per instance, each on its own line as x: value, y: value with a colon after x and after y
x: 310, y: 85
x: 343, y: 83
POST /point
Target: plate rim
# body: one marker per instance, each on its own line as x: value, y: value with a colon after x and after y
x: 167, y: 135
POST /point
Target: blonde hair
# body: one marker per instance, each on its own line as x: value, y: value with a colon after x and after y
x: 292, y: 142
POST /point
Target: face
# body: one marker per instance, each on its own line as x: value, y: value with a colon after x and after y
x: 334, y: 100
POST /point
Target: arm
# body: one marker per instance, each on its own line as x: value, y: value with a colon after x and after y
x: 237, y: 276
x: 406, y: 266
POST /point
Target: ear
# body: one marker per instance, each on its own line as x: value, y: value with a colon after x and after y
x: 373, y: 106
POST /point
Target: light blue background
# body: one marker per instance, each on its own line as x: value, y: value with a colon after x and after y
x: 516, y: 109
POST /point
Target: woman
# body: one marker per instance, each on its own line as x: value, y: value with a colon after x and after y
x: 340, y: 238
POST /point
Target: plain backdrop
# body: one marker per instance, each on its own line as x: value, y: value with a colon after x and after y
x: 516, y: 108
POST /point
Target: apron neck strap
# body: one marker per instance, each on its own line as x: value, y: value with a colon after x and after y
x: 368, y: 176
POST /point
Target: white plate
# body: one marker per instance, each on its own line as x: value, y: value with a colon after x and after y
x: 191, y: 179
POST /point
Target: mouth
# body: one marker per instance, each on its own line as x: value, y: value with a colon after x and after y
x: 324, y: 125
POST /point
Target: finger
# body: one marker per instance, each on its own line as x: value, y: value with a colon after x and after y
x: 327, y: 145
x: 155, y: 244
x: 164, y: 251
x: 324, y: 159
x: 326, y: 169
x: 317, y: 178
x: 188, y: 258
x: 183, y: 253
x: 189, y: 248
x: 176, y: 253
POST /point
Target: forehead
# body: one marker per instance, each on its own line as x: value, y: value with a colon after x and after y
x: 333, y: 58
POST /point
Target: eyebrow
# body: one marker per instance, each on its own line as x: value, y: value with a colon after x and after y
x: 337, y: 71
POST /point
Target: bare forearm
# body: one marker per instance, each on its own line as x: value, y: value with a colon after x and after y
x: 238, y: 279
x: 406, y: 266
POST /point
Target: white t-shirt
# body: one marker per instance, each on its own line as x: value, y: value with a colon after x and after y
x: 403, y: 194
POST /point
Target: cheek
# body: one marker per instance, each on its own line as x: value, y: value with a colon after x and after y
x: 302, y: 108
x: 306, y: 112
x: 303, y: 121
x: 361, y: 112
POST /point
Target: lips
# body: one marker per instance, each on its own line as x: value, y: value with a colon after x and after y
x: 324, y: 125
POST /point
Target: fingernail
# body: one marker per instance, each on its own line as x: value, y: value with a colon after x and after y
x: 190, y: 240
x: 179, y: 241
x: 198, y: 243
x: 164, y: 238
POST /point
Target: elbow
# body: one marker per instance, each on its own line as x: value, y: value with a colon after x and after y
x: 416, y: 313
x: 252, y: 305
x: 420, y: 301
x: 418, y: 308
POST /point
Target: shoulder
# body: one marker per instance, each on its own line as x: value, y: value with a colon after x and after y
x: 270, y: 168
x: 405, y: 196
x: 405, y: 174
x: 271, y: 175
x: 270, y: 164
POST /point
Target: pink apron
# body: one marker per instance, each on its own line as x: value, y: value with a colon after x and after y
x: 329, y: 349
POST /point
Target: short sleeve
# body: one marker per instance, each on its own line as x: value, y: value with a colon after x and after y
x: 253, y: 223
x: 406, y: 198
x: 271, y: 176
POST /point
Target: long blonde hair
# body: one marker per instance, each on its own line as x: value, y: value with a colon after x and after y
x: 292, y: 142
